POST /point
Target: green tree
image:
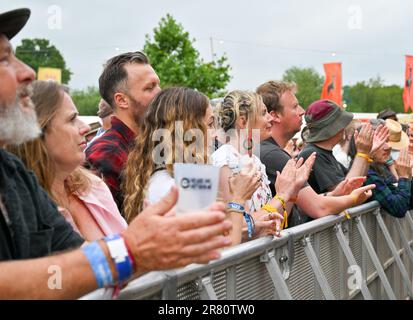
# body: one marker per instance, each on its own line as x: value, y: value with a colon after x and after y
x: 41, y: 53
x: 178, y: 63
x: 373, y: 96
x: 86, y: 101
x: 309, y: 83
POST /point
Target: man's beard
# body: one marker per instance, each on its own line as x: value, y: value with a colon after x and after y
x: 16, y: 125
x: 138, y: 110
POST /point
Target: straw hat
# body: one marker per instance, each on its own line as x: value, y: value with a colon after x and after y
x: 398, y: 138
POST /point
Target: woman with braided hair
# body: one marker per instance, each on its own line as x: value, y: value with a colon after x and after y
x: 173, y: 115
x: 245, y: 122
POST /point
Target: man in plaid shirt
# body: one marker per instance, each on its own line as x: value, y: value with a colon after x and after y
x: 128, y: 84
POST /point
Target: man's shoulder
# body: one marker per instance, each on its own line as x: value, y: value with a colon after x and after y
x: 12, y: 161
x: 108, y: 141
x: 307, y: 151
x: 270, y: 147
x: 273, y: 156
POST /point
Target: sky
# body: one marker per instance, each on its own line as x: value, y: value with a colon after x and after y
x: 261, y: 38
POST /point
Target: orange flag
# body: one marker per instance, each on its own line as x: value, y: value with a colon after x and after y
x: 408, y: 85
x: 332, y: 85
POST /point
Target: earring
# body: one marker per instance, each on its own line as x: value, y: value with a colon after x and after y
x: 248, y: 144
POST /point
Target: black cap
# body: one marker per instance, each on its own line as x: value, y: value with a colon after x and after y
x: 386, y: 113
x: 12, y: 22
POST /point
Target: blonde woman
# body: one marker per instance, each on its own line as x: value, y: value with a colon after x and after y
x: 56, y: 158
x: 245, y: 122
x: 173, y: 114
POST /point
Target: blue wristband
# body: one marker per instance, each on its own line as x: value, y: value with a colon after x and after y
x: 248, y: 218
x: 250, y: 224
x: 236, y: 206
x: 120, y: 257
x: 99, y: 264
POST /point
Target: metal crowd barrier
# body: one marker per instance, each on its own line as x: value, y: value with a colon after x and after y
x: 367, y: 255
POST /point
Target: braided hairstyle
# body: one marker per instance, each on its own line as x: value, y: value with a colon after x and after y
x: 236, y: 104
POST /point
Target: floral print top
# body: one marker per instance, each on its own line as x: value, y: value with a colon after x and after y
x: 227, y: 155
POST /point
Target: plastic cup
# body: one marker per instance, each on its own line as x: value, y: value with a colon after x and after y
x: 197, y: 184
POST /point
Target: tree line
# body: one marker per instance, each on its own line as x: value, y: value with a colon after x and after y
x: 172, y: 54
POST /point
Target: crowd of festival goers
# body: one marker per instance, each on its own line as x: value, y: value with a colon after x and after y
x: 104, y: 211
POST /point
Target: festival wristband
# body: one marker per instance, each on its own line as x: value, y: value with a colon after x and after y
x: 355, y: 198
x: 235, y: 206
x: 364, y: 156
x: 99, y: 264
x: 132, y: 258
x: 293, y: 200
x: 269, y: 208
x: 347, y: 215
x: 120, y: 256
x: 250, y: 224
x: 284, y: 224
x: 277, y: 197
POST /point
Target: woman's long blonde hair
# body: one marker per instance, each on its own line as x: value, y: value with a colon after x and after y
x: 47, y: 98
x: 169, y: 106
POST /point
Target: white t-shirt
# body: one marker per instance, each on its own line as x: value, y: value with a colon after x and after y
x: 159, y: 185
x: 227, y: 155
x: 341, y: 156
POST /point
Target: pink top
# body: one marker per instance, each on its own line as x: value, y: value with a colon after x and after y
x: 102, y: 207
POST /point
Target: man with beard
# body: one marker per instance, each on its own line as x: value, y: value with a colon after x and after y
x: 31, y: 228
x: 128, y: 83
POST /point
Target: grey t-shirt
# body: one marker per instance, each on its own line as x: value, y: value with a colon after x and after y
x: 327, y: 171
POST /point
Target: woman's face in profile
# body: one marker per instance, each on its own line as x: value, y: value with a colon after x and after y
x: 65, y: 136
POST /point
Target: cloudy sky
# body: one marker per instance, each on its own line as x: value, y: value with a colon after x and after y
x: 261, y: 38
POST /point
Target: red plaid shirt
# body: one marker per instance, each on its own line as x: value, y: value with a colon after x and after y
x: 107, y: 156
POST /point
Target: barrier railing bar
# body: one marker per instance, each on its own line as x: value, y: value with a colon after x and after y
x: 169, y: 290
x: 405, y: 242
x: 351, y: 260
x: 393, y: 249
x: 207, y: 291
x: 375, y: 259
x: 276, y: 276
x: 410, y: 220
x: 231, y: 279
x: 162, y: 286
x: 315, y: 265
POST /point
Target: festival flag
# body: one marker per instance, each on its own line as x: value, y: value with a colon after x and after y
x: 408, y: 85
x: 332, y: 84
x: 50, y: 74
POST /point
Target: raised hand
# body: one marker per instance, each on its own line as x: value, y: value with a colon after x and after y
x: 360, y: 195
x: 192, y: 238
x: 347, y: 186
x: 403, y: 164
x: 267, y: 223
x: 292, y: 178
x: 381, y: 134
x: 364, y: 139
x: 243, y: 185
x: 304, y: 170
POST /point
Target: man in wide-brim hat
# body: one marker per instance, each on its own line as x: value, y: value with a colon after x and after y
x: 326, y: 122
